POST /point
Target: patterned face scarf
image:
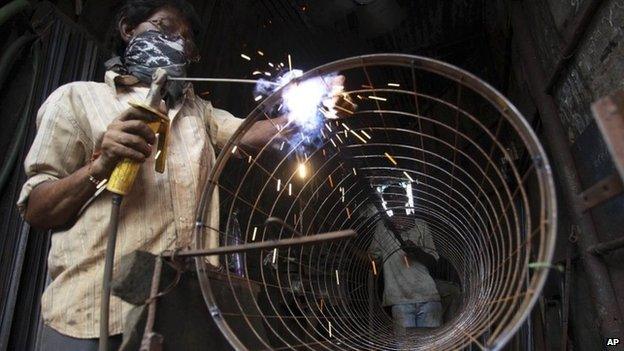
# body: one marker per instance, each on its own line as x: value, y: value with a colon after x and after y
x: 151, y: 50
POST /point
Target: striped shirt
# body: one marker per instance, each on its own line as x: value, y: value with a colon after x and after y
x: 158, y: 214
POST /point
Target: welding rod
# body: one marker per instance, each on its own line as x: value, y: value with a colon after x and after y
x: 227, y: 80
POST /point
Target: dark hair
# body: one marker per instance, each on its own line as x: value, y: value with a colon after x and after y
x: 137, y: 11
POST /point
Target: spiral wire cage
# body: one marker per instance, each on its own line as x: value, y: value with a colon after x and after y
x: 479, y: 179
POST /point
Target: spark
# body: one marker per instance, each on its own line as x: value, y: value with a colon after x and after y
x: 394, y: 84
x: 354, y: 172
x: 157, y: 154
x: 332, y: 141
x: 330, y: 330
x: 289, y: 189
x: 324, y: 154
x: 249, y: 159
x: 268, y: 74
x: 282, y: 145
x: 258, y: 98
x: 367, y: 86
x: 234, y: 149
x: 331, y: 182
x: 255, y: 73
x: 328, y: 127
x: 337, y: 279
x: 289, y: 63
x: 358, y: 136
x: 340, y: 140
x: 360, y: 97
x: 372, y: 97
x: 321, y: 307
x: 390, y: 158
x: 374, y: 267
x: 279, y: 184
x: 348, y: 213
x: 344, y: 109
x: 272, y: 65
x: 323, y: 134
x: 366, y: 134
x: 408, y: 176
x: 301, y: 169
x: 246, y: 57
x: 260, y: 53
x: 274, y: 255
x: 345, y: 126
x: 281, y: 64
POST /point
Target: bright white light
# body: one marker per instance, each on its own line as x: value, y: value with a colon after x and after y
x: 301, y: 169
x: 410, y: 199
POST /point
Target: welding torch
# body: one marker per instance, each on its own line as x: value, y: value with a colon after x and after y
x: 120, y: 183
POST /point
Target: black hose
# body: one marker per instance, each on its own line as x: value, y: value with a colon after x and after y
x: 108, y: 272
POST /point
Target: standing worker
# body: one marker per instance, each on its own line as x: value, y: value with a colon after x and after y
x: 409, y: 289
x: 83, y: 130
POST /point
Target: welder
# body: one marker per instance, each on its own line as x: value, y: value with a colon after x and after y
x: 84, y: 129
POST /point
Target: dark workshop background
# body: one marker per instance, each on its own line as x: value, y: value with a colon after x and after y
x: 534, y: 51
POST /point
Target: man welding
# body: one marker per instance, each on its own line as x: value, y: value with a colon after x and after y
x: 83, y: 130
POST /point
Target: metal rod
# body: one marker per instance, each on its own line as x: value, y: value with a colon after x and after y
x: 225, y: 80
x: 603, y: 248
x: 263, y: 245
x: 597, y: 274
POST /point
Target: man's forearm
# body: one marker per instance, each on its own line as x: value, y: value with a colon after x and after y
x: 54, y: 204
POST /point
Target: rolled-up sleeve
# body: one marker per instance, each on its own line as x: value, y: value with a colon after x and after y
x: 59, y: 147
x: 221, y: 125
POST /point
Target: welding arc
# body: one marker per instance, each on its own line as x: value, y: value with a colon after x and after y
x: 479, y: 181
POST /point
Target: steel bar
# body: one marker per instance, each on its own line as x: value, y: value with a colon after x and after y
x: 604, y: 248
x: 601, y: 288
x: 573, y: 38
x: 265, y: 245
x: 600, y: 192
x: 609, y: 115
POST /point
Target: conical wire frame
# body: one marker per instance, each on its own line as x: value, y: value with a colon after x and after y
x: 479, y: 180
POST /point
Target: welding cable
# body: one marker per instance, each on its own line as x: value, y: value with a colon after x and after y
x: 22, y: 125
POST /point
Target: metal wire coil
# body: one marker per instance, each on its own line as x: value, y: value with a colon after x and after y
x: 480, y: 180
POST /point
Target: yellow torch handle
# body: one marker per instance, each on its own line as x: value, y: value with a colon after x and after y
x: 123, y: 176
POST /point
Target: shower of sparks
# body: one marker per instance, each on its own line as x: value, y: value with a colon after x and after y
x: 246, y: 57
x: 234, y: 149
x: 390, y: 158
x: 253, y: 237
x: 279, y: 184
x: 372, y: 97
x: 394, y: 85
x: 274, y: 255
x: 408, y: 176
x: 260, y: 53
x: 289, y: 189
x: 366, y: 134
x: 258, y: 98
x: 337, y: 278
x: 289, y: 63
x: 359, y: 137
x: 374, y: 267
x: 302, y: 171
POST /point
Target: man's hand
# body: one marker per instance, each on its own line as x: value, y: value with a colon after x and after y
x: 262, y: 131
x: 128, y: 136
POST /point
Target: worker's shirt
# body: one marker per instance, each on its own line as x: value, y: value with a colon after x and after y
x: 405, y: 280
x: 158, y: 213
